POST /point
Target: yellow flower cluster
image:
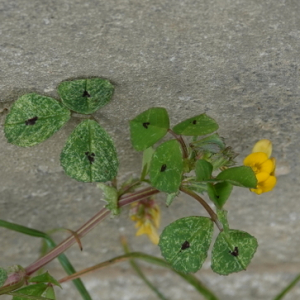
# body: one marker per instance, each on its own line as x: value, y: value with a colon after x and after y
x: 146, y: 214
x: 263, y: 166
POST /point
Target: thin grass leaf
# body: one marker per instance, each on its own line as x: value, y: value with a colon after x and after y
x: 136, y: 267
x: 288, y: 288
x: 64, y: 261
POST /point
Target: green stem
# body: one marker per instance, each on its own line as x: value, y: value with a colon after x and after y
x: 288, y: 288
x: 191, y: 279
x: 137, y: 269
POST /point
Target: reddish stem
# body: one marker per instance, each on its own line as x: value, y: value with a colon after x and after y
x: 88, y: 226
x: 181, y: 142
x: 212, y: 214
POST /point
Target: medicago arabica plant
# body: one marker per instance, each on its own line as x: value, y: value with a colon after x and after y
x: 194, y: 161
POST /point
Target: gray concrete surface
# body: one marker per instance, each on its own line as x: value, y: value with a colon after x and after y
x: 236, y: 60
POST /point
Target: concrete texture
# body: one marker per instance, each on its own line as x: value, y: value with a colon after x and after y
x: 236, y: 60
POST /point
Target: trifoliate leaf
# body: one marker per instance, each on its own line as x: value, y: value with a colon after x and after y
x: 30, y: 290
x: 219, y: 192
x: 185, y: 242
x: 34, y: 118
x: 147, y: 156
x: 166, y: 167
x: 198, y: 125
x: 232, y: 251
x: 239, y: 176
x: 203, y: 170
x: 3, y: 276
x: 89, y: 154
x: 149, y: 127
x: 85, y: 96
x: 46, y: 278
x: 111, y: 197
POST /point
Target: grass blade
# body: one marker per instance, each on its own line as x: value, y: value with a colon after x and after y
x: 288, y: 288
x: 137, y: 269
x: 64, y: 261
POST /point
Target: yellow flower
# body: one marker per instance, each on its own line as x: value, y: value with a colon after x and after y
x: 263, y: 166
x: 146, y: 214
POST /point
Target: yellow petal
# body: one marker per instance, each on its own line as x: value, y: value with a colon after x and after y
x: 274, y: 166
x: 255, y: 159
x: 143, y: 230
x: 154, y: 237
x: 267, y: 166
x: 264, y: 146
x: 267, y: 185
x: 262, y: 176
x: 258, y: 191
x: 155, y: 214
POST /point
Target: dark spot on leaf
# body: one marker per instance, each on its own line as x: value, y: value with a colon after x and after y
x: 146, y: 124
x: 185, y: 245
x: 163, y: 168
x: 235, y: 252
x: 217, y: 196
x: 86, y: 94
x: 90, y: 157
x: 31, y: 121
x: 195, y: 122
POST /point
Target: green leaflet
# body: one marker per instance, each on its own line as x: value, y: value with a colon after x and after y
x: 185, y: 242
x: 3, y: 276
x: 213, y: 144
x: 232, y: 251
x: 85, y: 96
x: 203, y: 170
x: 49, y: 293
x: 149, y: 127
x: 219, y: 192
x: 170, y: 198
x: 32, y: 290
x: 166, y: 167
x: 239, y: 176
x: 89, y: 154
x: 198, y: 125
x: 196, y: 186
x: 34, y: 118
x: 46, y: 278
x: 147, y: 156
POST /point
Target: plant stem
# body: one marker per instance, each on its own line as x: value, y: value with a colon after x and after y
x: 181, y: 141
x: 88, y: 226
x: 212, y: 214
x: 191, y: 279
